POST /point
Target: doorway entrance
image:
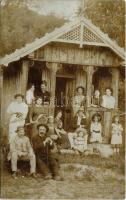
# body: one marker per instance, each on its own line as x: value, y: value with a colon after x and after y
x: 63, y: 96
x: 35, y: 77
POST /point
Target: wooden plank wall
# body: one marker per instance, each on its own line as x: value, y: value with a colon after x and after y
x: 15, y: 78
x: 12, y: 85
x: 80, y: 78
x: 72, y: 54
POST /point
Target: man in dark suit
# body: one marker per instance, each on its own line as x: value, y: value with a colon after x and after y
x: 44, y: 93
x: 46, y: 160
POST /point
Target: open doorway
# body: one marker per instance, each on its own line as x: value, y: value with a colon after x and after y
x: 60, y: 95
x: 64, y: 93
x: 35, y: 77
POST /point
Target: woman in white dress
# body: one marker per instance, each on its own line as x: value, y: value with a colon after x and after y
x: 108, y: 101
x: 116, y: 139
x: 30, y: 94
x: 79, y: 100
x: 17, y: 111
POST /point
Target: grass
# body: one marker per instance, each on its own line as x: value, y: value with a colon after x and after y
x: 103, y: 178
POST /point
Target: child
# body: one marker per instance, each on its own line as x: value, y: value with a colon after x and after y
x: 80, y: 140
x: 96, y: 131
x: 20, y: 147
x: 116, y: 139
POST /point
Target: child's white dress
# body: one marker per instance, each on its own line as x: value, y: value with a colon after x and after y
x: 80, y: 143
x: 116, y: 134
x: 96, y: 130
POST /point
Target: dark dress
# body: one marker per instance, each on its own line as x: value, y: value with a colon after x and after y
x: 75, y: 125
x: 33, y: 114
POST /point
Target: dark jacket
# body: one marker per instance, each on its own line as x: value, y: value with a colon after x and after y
x: 40, y: 150
x: 45, y: 96
x: 83, y: 122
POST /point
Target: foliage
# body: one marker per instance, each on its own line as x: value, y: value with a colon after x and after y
x: 109, y: 15
x: 21, y: 26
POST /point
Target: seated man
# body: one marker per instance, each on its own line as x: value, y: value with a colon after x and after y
x: 45, y: 158
x: 20, y: 148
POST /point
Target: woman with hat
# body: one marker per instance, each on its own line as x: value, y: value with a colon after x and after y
x: 17, y: 111
x: 79, y: 99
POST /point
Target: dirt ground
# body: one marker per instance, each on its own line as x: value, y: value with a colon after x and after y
x: 86, y: 177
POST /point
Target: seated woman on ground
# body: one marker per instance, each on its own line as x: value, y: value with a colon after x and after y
x: 52, y: 132
x: 58, y: 118
x: 96, y: 132
x: 62, y: 136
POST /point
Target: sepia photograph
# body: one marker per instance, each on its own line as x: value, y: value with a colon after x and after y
x: 62, y: 99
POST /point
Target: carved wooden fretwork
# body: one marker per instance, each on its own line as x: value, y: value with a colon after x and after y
x: 82, y: 35
x: 89, y: 36
x: 73, y: 34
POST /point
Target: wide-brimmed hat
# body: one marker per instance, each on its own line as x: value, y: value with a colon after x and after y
x: 19, y: 95
x: 78, y: 130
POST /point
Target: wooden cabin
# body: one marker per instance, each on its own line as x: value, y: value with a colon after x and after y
x: 76, y: 54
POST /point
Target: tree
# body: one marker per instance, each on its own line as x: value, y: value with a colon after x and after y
x: 109, y: 15
x: 20, y: 26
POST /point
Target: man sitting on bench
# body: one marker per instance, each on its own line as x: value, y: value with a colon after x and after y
x: 20, y: 148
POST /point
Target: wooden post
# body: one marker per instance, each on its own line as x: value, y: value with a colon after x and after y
x: 24, y: 76
x: 115, y: 84
x: 1, y: 100
x: 89, y: 70
x: 53, y: 67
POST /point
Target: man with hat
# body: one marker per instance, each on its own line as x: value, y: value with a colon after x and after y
x: 20, y: 148
x: 43, y: 146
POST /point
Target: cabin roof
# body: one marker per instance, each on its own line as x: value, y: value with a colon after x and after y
x: 81, y: 32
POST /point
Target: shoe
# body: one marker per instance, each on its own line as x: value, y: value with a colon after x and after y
x: 47, y: 177
x: 34, y: 175
x: 57, y: 178
x: 14, y: 175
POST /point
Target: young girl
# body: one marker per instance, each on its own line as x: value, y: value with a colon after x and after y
x: 96, y: 131
x: 116, y: 139
x: 80, y: 140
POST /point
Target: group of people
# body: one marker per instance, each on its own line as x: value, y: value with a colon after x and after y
x: 42, y: 142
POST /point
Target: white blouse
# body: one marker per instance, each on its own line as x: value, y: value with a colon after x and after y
x: 108, y: 101
x: 29, y: 97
